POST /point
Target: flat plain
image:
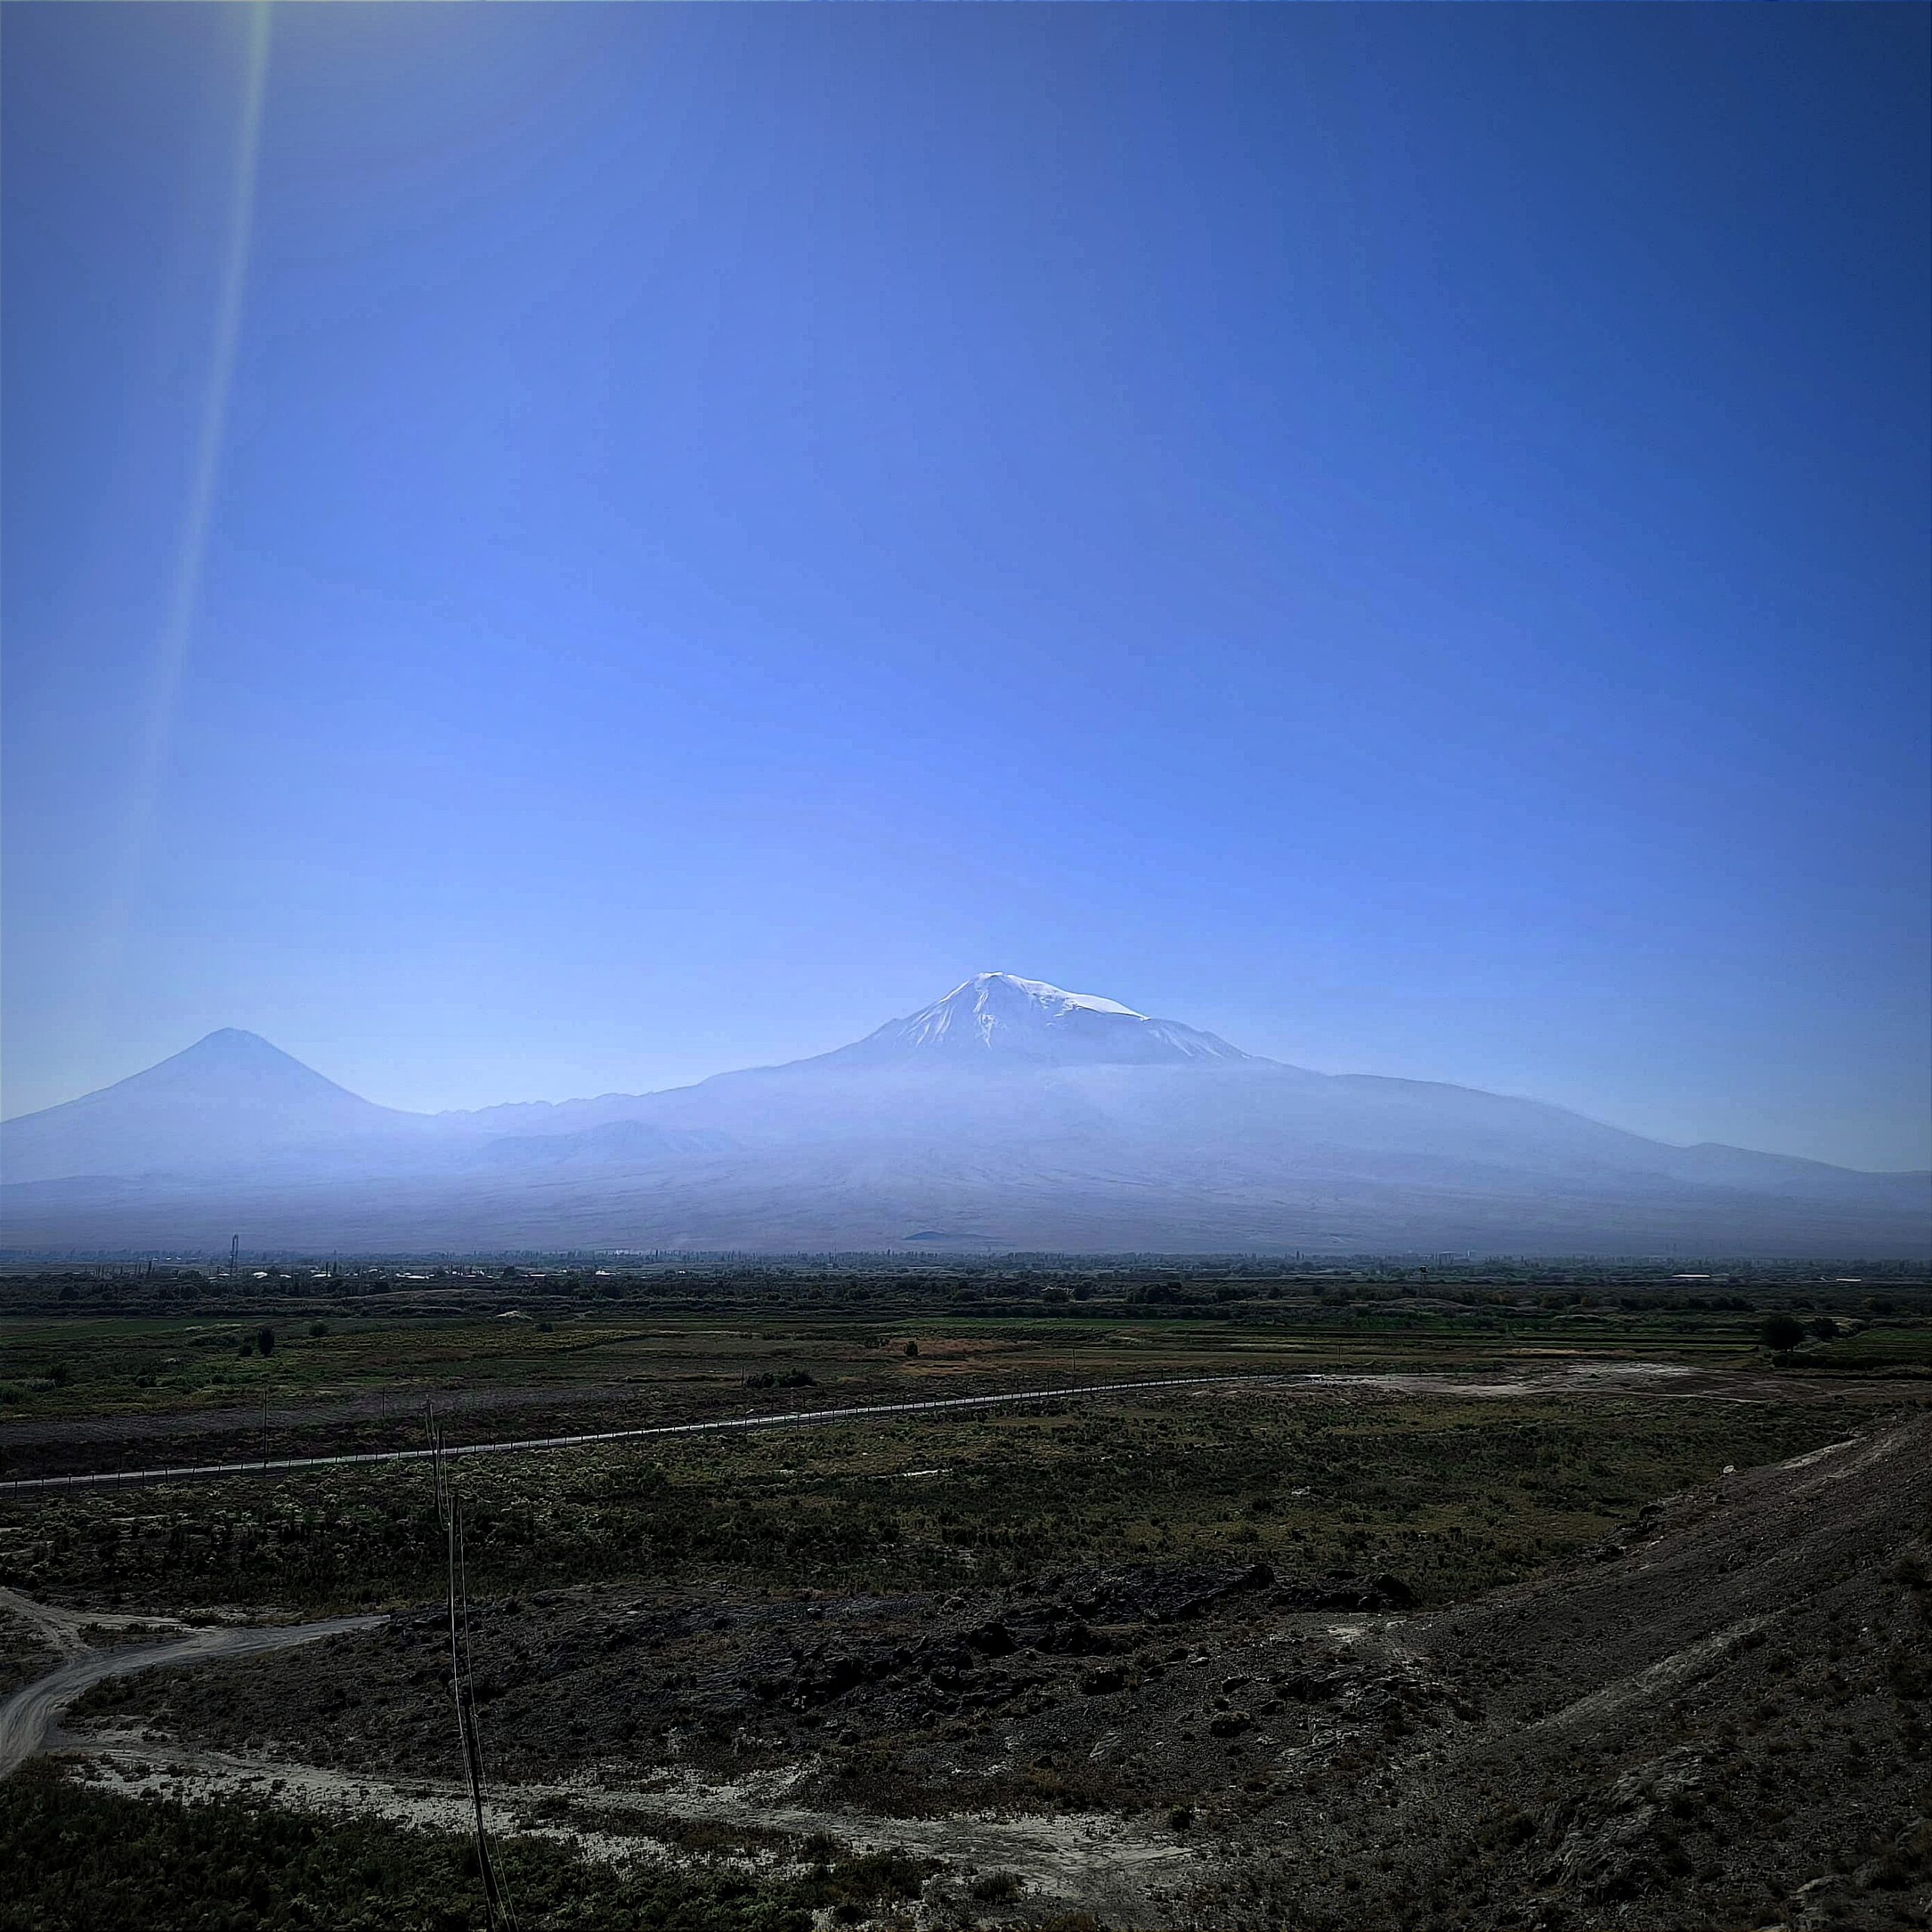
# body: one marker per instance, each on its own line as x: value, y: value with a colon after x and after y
x: 1456, y: 1597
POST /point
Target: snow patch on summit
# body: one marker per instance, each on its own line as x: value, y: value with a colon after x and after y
x: 1000, y: 1020
x: 1054, y: 996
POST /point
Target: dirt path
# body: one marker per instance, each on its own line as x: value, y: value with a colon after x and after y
x: 65, y: 1630
x: 28, y: 1717
x: 1106, y: 1865
x: 386, y: 1405
x: 1103, y: 1864
x: 1635, y: 1378
x: 32, y: 1486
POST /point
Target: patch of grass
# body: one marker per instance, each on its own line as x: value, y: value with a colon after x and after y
x: 1890, y: 1348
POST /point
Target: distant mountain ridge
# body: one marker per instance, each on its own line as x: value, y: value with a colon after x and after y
x: 1010, y: 1112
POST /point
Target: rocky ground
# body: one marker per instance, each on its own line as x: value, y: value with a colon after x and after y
x: 1721, y: 1719
x: 912, y: 1703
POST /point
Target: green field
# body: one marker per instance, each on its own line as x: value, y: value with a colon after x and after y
x: 657, y: 1337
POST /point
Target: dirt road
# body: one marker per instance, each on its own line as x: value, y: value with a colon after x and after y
x: 30, y: 1486
x: 1652, y: 1379
x: 28, y: 1716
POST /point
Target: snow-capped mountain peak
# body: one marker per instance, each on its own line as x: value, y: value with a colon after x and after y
x: 982, y: 985
x: 996, y: 1019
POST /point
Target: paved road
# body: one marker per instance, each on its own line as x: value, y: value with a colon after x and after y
x: 29, y: 1714
x: 30, y: 1486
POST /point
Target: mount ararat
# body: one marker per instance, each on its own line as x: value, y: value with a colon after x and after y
x: 1009, y: 1114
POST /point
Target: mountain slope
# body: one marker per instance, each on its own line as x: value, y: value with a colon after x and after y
x: 1010, y: 1113
x: 231, y: 1102
x: 994, y: 1023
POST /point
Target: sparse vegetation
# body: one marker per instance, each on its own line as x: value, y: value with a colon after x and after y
x: 1451, y: 1496
x: 1057, y: 1612
x: 81, y: 1858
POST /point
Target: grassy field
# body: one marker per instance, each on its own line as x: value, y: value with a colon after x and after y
x: 72, y: 1364
x: 1453, y: 1495
x: 1453, y: 1492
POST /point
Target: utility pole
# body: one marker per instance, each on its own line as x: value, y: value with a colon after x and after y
x: 496, y: 1905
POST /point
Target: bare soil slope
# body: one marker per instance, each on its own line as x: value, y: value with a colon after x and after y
x: 1723, y: 1722
x: 1720, y: 1720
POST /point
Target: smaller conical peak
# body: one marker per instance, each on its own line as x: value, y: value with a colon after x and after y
x: 234, y: 1047
x: 230, y: 1060
x: 233, y: 1039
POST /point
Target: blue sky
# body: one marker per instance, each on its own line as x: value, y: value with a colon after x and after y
x: 1397, y: 535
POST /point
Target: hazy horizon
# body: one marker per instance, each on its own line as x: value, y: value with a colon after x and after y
x: 514, y: 1100
x: 560, y: 550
